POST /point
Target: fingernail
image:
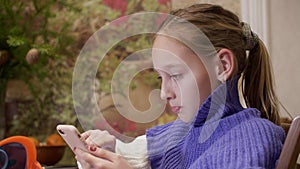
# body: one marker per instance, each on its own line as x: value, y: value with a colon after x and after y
x: 77, y: 150
x: 93, y: 148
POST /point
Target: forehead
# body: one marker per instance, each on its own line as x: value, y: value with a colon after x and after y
x: 168, y: 53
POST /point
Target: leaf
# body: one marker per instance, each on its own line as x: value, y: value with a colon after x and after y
x: 150, y: 5
x: 15, y: 41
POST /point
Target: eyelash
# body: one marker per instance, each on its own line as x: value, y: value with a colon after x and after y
x: 175, y: 76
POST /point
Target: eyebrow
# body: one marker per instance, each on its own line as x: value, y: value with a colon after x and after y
x: 169, y: 66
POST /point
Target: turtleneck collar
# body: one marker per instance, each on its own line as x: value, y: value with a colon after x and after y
x: 216, y: 106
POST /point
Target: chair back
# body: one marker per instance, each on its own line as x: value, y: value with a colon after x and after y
x: 291, y: 148
x: 18, y: 152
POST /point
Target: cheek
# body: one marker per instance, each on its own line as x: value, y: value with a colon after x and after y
x: 204, y: 88
x: 189, y: 92
x: 177, y: 89
x: 189, y: 100
x: 195, y: 90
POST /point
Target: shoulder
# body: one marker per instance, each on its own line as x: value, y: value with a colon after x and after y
x: 256, y: 142
x: 259, y: 127
x: 255, y: 130
x: 247, y: 124
x: 253, y: 142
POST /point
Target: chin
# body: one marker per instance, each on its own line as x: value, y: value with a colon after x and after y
x: 185, y: 116
x: 185, y: 119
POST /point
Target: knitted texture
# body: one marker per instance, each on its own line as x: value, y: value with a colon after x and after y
x: 240, y: 139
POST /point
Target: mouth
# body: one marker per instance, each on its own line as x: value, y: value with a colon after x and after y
x: 176, y: 109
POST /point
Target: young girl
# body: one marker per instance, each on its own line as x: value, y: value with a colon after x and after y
x: 219, y: 134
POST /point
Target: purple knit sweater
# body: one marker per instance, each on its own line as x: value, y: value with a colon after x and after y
x: 240, y: 139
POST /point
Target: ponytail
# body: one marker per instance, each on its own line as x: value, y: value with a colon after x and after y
x: 258, y: 83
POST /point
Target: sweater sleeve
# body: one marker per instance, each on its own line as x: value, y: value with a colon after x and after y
x: 254, y: 144
x: 135, y: 152
x: 161, y: 139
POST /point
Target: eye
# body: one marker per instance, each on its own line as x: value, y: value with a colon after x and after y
x: 175, y: 76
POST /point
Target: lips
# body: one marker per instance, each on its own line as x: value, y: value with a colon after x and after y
x: 176, y: 109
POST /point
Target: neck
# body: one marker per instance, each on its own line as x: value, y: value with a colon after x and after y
x: 223, y: 101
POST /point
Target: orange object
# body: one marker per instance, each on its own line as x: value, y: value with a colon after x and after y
x: 22, y: 151
x: 35, y: 141
x: 55, y: 140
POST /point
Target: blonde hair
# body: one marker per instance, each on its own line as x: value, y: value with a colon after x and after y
x: 224, y: 30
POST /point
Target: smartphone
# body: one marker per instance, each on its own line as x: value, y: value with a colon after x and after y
x: 72, y: 137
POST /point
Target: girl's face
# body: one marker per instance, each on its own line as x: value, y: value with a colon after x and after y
x: 185, y: 81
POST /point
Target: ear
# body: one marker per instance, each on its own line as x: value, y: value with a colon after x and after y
x: 225, y: 66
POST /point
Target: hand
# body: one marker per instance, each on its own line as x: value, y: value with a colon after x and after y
x: 98, y: 158
x: 100, y: 138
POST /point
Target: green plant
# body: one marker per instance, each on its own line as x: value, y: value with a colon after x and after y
x: 56, y: 30
x: 51, y: 106
x: 30, y: 45
x: 25, y: 26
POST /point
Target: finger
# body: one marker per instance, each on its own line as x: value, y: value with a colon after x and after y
x: 94, y: 136
x: 101, y: 139
x: 79, y: 165
x: 86, y: 134
x: 91, y: 160
x: 102, y: 153
x: 82, y: 164
x: 89, y: 136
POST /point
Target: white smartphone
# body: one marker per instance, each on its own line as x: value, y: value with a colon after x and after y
x: 72, y: 137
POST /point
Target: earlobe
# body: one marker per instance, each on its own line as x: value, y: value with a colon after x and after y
x: 225, y: 66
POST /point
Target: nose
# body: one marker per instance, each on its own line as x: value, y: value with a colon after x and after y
x: 167, y: 92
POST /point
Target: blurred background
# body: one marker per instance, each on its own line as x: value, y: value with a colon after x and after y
x: 40, y: 42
